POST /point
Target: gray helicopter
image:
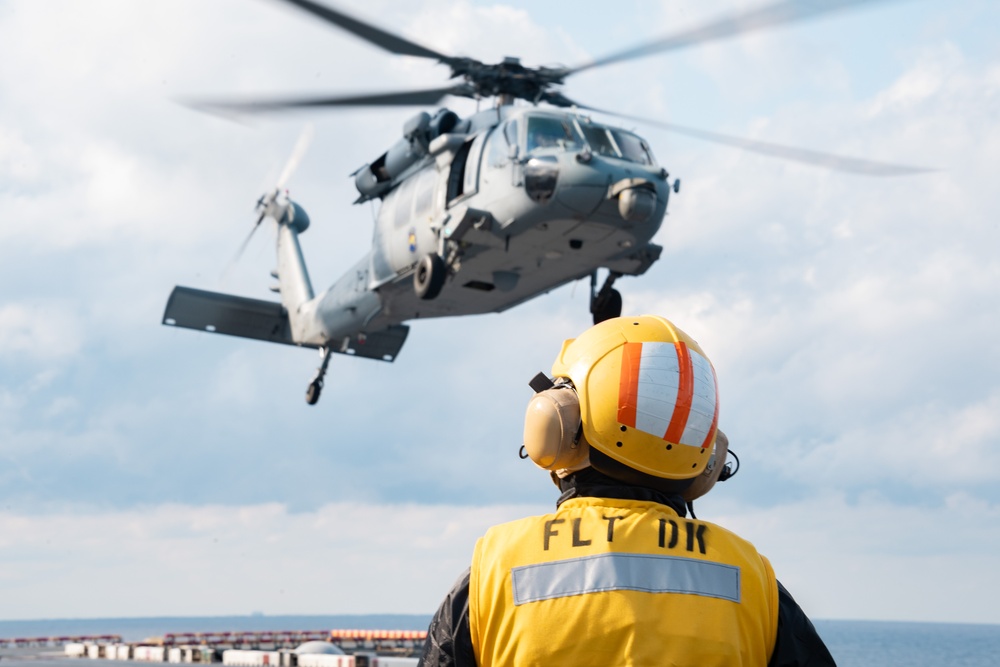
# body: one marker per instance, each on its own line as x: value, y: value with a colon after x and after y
x: 482, y: 213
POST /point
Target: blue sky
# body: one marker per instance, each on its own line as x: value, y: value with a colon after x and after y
x: 852, y: 321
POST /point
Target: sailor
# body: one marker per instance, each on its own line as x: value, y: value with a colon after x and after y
x: 622, y: 573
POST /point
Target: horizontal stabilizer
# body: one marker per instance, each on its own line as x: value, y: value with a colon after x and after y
x: 227, y: 314
x: 266, y: 320
x: 383, y: 345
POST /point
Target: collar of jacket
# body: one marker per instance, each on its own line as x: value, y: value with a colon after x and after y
x: 589, y: 483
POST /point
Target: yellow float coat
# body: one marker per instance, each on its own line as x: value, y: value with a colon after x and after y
x: 608, y: 582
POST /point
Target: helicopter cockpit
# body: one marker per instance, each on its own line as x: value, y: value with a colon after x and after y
x: 616, y: 143
x: 546, y: 131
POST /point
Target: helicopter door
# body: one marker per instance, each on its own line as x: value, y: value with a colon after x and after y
x: 463, y: 180
x: 456, y: 177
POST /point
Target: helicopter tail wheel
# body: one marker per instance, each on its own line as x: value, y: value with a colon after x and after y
x: 316, y: 386
x: 312, y: 393
x: 608, y: 306
x: 429, y: 277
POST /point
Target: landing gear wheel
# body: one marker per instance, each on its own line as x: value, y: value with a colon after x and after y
x: 312, y: 393
x: 429, y: 277
x: 316, y: 386
x: 609, y: 306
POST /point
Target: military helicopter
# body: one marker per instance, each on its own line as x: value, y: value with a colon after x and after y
x: 482, y: 213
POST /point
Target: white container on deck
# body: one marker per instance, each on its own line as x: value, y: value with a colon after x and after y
x: 95, y: 651
x: 175, y: 654
x: 199, y: 653
x: 393, y: 662
x: 75, y: 650
x: 149, y: 653
x: 243, y: 658
x: 325, y: 660
x: 121, y: 651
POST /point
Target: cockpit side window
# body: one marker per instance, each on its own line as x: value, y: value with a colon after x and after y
x: 633, y: 148
x: 549, y: 131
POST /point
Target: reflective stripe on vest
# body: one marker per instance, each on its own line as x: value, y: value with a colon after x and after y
x: 619, y: 572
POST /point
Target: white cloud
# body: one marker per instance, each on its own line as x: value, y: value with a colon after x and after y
x: 216, y: 560
x: 931, y: 446
x: 51, y: 330
x: 934, y: 74
x: 874, y: 559
x: 868, y: 558
x: 871, y: 345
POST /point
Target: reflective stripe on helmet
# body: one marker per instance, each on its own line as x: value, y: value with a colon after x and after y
x: 668, y: 390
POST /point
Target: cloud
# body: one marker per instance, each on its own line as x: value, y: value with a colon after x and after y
x: 349, y: 557
x: 832, y: 553
x: 849, y: 319
x: 39, y: 331
x: 176, y: 560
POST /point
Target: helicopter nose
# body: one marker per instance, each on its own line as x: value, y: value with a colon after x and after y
x: 584, y: 184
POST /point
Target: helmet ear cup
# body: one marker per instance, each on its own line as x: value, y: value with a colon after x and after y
x: 552, y: 429
x: 704, y: 482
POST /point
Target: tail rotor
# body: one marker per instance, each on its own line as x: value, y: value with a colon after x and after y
x: 274, y: 203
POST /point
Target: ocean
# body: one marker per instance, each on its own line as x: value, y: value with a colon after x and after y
x: 897, y: 644
x: 852, y: 643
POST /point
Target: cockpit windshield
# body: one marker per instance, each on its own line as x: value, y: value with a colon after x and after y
x: 632, y: 147
x: 546, y: 131
x: 617, y: 143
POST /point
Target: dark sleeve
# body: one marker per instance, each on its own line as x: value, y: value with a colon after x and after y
x: 798, y: 643
x: 449, y: 640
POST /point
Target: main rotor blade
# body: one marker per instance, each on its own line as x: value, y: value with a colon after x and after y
x: 803, y: 155
x: 377, y: 36
x: 775, y: 14
x: 404, y: 98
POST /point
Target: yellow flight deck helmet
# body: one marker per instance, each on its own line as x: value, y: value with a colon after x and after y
x: 646, y: 400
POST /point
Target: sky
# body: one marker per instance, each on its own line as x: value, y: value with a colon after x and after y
x: 150, y: 471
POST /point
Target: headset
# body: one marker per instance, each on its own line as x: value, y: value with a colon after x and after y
x: 553, y: 431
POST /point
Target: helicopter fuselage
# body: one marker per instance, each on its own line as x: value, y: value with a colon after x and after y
x: 476, y: 216
x: 518, y: 201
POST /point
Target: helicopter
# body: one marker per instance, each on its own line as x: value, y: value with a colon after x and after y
x: 482, y: 213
